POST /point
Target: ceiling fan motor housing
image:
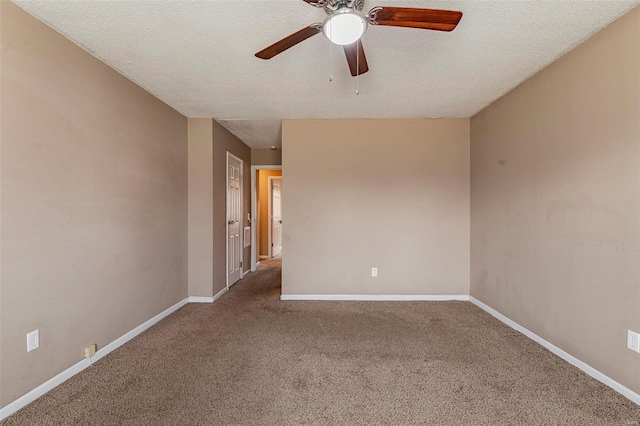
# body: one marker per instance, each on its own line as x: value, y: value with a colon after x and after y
x: 333, y: 5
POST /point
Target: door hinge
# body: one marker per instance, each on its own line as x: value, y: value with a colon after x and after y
x: 240, y: 264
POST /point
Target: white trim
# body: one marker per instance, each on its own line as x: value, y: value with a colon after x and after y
x: 226, y: 220
x: 219, y: 294
x: 601, y: 377
x: 139, y: 329
x: 60, y: 378
x: 201, y: 299
x: 244, y: 274
x: 254, y: 211
x: 262, y: 257
x: 377, y: 297
x: 36, y: 393
x: 208, y: 299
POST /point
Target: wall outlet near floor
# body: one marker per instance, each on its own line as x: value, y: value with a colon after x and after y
x: 633, y: 341
x: 374, y: 272
x: 33, y: 340
x: 89, y: 351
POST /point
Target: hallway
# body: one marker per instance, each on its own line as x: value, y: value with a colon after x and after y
x: 250, y: 358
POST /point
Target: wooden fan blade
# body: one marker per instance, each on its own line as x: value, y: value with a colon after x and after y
x: 428, y: 19
x: 356, y: 59
x: 289, y: 41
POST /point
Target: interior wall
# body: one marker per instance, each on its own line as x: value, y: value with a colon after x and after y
x: 94, y: 203
x: 555, y: 202
x: 266, y: 157
x: 223, y: 141
x: 200, y: 207
x: 363, y: 193
x: 263, y: 209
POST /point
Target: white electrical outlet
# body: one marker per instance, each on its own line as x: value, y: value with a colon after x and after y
x: 33, y: 340
x: 633, y: 341
x: 374, y: 272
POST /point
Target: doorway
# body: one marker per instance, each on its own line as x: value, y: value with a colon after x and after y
x: 260, y: 211
x: 274, y: 242
x: 234, y: 219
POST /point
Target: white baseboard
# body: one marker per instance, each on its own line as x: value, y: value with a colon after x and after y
x: 263, y: 257
x: 244, y: 274
x: 133, y: 333
x: 200, y: 299
x: 36, y: 393
x: 207, y: 299
x: 601, y: 377
x: 376, y: 297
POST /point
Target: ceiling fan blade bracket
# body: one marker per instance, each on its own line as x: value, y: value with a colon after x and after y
x: 373, y: 15
x: 317, y: 3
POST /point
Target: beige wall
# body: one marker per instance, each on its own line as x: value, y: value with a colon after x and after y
x: 201, y: 207
x: 556, y: 202
x: 94, y: 203
x: 209, y: 142
x: 223, y: 141
x: 266, y: 157
x: 391, y: 194
x: 263, y: 208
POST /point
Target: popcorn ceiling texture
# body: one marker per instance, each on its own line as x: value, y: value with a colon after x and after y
x: 262, y: 133
x: 198, y: 57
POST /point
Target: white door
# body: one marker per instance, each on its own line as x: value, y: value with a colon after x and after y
x: 234, y: 219
x: 276, y: 216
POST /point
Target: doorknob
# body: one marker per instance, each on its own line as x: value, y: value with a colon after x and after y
x: 231, y: 222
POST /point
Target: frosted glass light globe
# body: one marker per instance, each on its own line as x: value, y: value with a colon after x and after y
x: 345, y: 26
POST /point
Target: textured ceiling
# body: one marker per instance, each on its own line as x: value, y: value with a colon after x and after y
x: 197, y: 56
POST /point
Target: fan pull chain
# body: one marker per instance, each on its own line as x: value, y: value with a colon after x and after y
x: 330, y: 59
x: 357, y: 68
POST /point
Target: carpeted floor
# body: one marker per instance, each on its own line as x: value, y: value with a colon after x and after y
x: 251, y: 359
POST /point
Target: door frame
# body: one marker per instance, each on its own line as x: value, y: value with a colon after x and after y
x: 254, y: 209
x: 270, y: 179
x: 226, y: 221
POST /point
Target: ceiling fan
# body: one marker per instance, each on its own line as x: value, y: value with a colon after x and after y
x: 345, y: 24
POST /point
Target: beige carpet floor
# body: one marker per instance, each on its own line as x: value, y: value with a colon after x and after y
x: 251, y: 359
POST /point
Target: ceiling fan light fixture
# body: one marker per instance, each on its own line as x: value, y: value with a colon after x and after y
x: 345, y: 26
